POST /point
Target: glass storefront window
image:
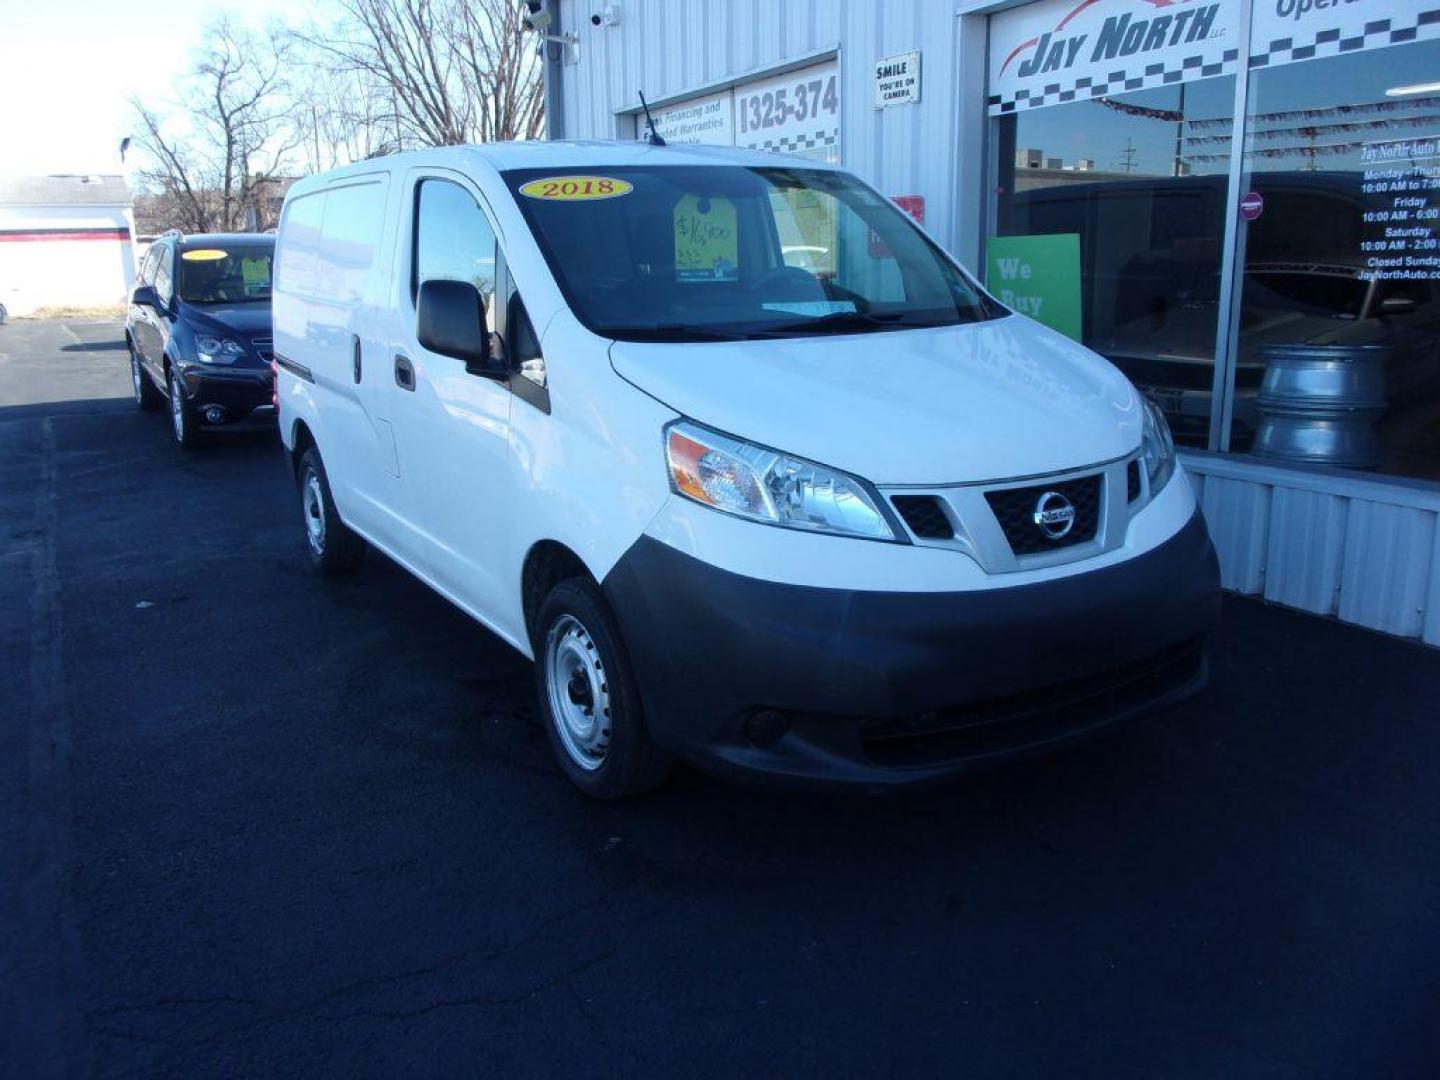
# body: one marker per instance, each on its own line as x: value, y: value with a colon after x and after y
x: 1338, y: 348
x: 1095, y: 107
x: 1113, y: 171
x: 1112, y: 135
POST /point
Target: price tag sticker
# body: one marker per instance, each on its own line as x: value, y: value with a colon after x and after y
x: 256, y: 274
x: 707, y: 243
x: 576, y: 188
x: 204, y: 255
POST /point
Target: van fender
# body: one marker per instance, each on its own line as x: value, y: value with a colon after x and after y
x: 590, y: 476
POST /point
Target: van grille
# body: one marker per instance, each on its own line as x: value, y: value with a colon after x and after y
x: 925, y: 516
x: 1132, y: 481
x: 1014, y: 508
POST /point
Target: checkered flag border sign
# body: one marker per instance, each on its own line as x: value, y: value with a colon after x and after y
x: 1378, y: 33
x: 1396, y: 30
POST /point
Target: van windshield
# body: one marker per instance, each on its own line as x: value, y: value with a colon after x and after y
x: 717, y: 252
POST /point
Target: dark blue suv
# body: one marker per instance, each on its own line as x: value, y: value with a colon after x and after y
x: 199, y: 335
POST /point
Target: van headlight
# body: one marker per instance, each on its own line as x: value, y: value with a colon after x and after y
x: 1157, y: 447
x: 765, y: 485
x: 213, y: 350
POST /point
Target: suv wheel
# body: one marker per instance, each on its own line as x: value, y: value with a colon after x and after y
x: 183, y: 423
x: 589, y: 698
x: 147, y: 397
x: 334, y: 548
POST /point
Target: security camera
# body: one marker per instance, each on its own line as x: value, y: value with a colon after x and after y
x: 536, y: 19
x: 610, y: 16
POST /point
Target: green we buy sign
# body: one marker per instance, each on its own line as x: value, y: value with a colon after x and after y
x: 1038, y: 276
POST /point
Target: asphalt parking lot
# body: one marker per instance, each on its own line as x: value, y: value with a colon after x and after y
x: 260, y: 823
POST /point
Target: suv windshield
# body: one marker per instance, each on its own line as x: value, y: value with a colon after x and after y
x: 715, y: 252
x: 225, y: 274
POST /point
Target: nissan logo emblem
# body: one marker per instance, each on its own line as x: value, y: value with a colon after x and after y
x: 1054, y: 514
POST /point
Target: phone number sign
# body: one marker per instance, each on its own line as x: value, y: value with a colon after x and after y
x: 798, y: 112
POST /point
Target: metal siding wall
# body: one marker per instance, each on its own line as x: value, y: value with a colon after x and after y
x: 1305, y: 549
x: 1365, y: 550
x: 1386, y: 568
x: 1238, y: 514
x: 677, y: 47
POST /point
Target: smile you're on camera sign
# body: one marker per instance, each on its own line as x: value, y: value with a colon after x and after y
x: 897, y: 80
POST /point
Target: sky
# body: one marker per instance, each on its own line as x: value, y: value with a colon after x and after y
x: 68, y: 67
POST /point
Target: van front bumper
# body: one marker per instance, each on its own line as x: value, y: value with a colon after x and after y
x: 882, y: 689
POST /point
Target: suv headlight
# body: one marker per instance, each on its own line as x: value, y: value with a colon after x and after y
x: 765, y: 485
x: 213, y: 350
x: 1157, y: 447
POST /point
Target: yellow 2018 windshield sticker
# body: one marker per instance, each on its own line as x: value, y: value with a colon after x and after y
x: 204, y: 255
x: 576, y: 188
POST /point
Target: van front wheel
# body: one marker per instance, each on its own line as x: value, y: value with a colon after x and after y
x: 588, y: 696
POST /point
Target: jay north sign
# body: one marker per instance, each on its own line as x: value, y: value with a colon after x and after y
x: 1118, y: 36
x: 1055, y: 50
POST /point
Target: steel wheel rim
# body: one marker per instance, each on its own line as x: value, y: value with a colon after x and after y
x: 313, y: 503
x: 578, y: 691
x: 177, y: 409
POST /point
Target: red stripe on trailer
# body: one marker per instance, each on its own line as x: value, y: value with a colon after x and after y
x: 33, y: 236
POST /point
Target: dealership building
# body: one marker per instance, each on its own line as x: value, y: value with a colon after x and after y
x: 1236, y: 201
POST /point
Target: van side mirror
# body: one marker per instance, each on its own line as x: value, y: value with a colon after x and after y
x: 144, y: 296
x: 451, y: 322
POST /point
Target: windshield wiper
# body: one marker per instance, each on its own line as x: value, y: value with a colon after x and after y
x: 842, y: 321
x: 676, y: 332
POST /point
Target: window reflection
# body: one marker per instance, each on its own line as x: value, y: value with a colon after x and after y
x: 1339, y: 343
x: 1120, y: 173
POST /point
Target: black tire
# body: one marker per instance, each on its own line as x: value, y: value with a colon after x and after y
x: 334, y: 549
x: 184, y: 422
x: 147, y: 395
x: 621, y: 760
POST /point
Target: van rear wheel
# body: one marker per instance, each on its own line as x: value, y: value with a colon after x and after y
x: 334, y: 548
x: 588, y: 696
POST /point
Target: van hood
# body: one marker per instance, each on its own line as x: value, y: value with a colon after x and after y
x: 996, y: 399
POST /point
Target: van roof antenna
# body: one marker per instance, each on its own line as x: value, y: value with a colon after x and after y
x: 654, y: 138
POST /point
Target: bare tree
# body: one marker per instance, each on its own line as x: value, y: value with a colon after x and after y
x: 213, y: 159
x: 503, y: 63
x: 172, y: 178
x: 343, y: 116
x: 443, y: 72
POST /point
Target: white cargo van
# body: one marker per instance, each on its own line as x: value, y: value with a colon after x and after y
x: 755, y: 472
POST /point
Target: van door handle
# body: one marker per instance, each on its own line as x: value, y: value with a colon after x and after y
x: 404, y: 373
x: 355, y: 355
